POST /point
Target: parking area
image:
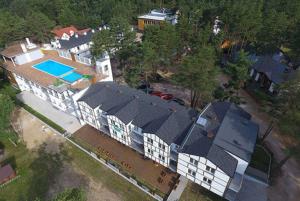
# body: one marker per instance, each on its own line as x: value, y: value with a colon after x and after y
x: 131, y: 161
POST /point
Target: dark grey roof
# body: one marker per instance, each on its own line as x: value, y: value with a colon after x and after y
x: 228, y: 130
x: 76, y: 41
x: 168, y: 121
x: 197, y: 143
x: 237, y: 135
x: 222, y: 159
x: 274, y: 70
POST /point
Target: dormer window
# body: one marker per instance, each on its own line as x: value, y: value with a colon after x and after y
x: 150, y: 140
x: 162, y: 146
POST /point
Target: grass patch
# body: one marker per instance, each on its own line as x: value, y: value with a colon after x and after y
x: 37, y: 170
x: 43, y: 118
x: 104, y: 175
x: 194, y: 192
x: 260, y: 159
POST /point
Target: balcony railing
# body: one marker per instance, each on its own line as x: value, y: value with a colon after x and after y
x: 137, y: 138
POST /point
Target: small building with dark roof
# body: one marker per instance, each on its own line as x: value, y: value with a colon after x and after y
x: 270, y: 71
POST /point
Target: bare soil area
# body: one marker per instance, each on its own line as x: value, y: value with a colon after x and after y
x: 35, y: 133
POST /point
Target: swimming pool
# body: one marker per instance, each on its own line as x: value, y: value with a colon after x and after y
x: 72, y: 77
x: 58, y: 70
x: 53, y: 68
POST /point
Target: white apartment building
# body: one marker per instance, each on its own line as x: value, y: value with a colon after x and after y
x: 212, y: 149
x: 29, y: 68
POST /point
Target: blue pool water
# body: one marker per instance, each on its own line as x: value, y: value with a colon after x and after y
x: 53, y: 68
x: 57, y: 69
x: 72, y: 77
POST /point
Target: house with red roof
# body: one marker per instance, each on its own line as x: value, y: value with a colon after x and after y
x: 6, y: 173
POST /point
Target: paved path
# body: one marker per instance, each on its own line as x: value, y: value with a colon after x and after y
x: 175, y: 194
x: 252, y: 191
x: 66, y: 121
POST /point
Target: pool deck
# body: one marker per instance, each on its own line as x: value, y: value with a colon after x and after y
x: 44, y: 79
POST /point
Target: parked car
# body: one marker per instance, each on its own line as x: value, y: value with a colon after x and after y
x: 179, y: 101
x: 156, y: 93
x: 167, y: 96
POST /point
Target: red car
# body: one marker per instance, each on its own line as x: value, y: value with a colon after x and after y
x: 167, y: 96
x: 156, y: 93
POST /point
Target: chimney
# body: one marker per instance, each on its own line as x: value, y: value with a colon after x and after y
x: 100, y: 29
x: 84, y: 33
x: 93, y: 30
x: 28, y: 42
x: 210, y: 134
x: 23, y: 48
x: 76, y: 35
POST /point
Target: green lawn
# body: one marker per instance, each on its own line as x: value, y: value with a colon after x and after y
x: 260, y: 159
x: 194, y: 192
x: 36, y: 169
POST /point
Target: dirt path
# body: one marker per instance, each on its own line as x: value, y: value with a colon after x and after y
x: 35, y: 133
x: 287, y: 186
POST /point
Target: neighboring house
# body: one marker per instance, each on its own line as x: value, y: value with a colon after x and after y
x: 50, y: 77
x: 212, y: 149
x: 64, y: 33
x: 157, y: 17
x: 6, y: 173
x: 269, y: 71
x: 75, y: 45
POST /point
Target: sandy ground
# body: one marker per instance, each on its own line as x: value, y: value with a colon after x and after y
x: 34, y: 133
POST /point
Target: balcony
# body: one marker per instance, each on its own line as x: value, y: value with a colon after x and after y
x: 138, y: 147
x: 236, y: 183
x: 103, y: 120
x: 137, y: 138
x: 173, y: 155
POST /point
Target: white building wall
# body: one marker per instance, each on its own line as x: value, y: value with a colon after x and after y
x: 28, y: 57
x: 195, y: 169
x: 104, y: 66
x: 156, y: 149
x: 118, y: 130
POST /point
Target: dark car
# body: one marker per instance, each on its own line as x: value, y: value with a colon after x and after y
x: 179, y: 101
x: 145, y: 87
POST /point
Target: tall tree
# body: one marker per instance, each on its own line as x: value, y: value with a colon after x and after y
x: 239, y: 70
x: 39, y: 26
x: 198, y: 73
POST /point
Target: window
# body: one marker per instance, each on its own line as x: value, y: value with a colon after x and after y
x: 191, y: 172
x: 209, y: 169
x: 123, y: 137
x: 115, y: 132
x: 208, y: 181
x: 193, y: 161
x: 161, y: 146
x: 150, y: 140
x: 161, y: 157
x: 150, y: 152
x: 106, y: 68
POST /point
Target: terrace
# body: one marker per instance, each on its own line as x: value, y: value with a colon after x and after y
x: 46, y: 80
x: 150, y: 173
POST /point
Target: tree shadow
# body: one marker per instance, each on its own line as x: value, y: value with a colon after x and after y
x: 44, y: 170
x: 51, y: 174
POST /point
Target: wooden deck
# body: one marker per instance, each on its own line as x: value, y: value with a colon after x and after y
x: 146, y: 170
